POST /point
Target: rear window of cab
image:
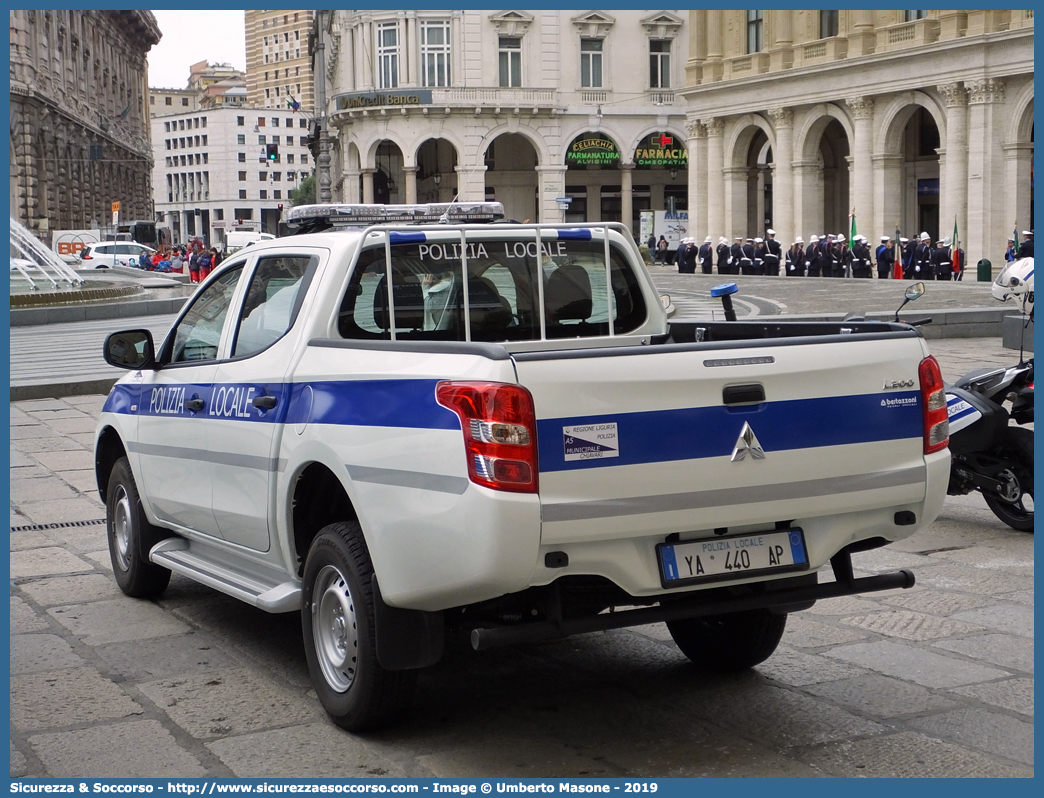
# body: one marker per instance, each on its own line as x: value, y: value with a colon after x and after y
x: 516, y: 290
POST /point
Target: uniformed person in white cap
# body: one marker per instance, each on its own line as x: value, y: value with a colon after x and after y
x: 773, y: 253
x: 706, y: 256
x: 923, y: 268
x: 1012, y: 252
x: 722, y: 251
x: 813, y: 256
x: 795, y: 260
x: 942, y: 264
x: 861, y: 266
x: 759, y: 256
x: 746, y: 261
x: 735, y: 255
x: 1026, y: 247
x: 885, y: 258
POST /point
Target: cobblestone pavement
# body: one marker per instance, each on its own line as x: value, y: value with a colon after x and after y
x: 932, y: 681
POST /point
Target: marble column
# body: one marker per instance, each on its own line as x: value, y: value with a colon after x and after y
x: 861, y: 187
x: 410, y: 177
x: 1018, y: 168
x: 697, y: 146
x: 953, y: 188
x: 551, y: 186
x: 471, y: 183
x: 808, y: 199
x: 715, y: 195
x: 888, y: 196
x: 986, y: 190
x: 736, y: 191
x: 783, y: 180
x: 712, y: 70
x: 626, y: 195
x: 367, y: 186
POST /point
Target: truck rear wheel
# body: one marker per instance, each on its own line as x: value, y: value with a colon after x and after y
x: 337, y: 619
x: 729, y: 643
x: 131, y: 536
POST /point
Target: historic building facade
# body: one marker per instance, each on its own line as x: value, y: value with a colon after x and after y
x: 797, y: 120
x: 557, y: 114
x: 213, y: 172
x: 80, y: 117
x: 278, y: 64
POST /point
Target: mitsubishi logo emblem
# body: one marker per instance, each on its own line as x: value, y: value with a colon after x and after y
x: 747, y: 442
x: 663, y: 141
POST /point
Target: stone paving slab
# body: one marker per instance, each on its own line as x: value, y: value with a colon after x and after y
x: 984, y: 730
x: 910, y: 755
x: 68, y: 461
x: 1015, y: 695
x: 135, y: 750
x: 82, y: 508
x: 1010, y: 618
x: 71, y: 590
x: 314, y: 751
x: 880, y: 696
x: 1006, y: 651
x: 46, y: 562
x: 115, y: 621
x: 914, y: 664
x: 911, y: 625
x: 54, y: 699
x: 234, y: 703
x: 34, y: 653
x: 167, y: 657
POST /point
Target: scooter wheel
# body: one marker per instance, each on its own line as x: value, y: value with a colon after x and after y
x: 1015, y: 508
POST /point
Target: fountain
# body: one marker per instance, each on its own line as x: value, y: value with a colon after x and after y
x: 37, y: 258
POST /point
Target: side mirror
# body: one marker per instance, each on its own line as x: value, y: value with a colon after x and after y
x: 130, y: 349
x: 914, y: 291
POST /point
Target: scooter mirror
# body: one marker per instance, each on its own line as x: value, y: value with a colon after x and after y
x: 914, y: 291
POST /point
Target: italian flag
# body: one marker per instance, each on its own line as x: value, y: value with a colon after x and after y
x: 956, y: 252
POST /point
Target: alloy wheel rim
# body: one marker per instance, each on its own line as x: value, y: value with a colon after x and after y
x: 334, y: 629
x: 121, y: 528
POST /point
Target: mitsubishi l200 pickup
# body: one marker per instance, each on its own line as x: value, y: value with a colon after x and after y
x: 408, y: 422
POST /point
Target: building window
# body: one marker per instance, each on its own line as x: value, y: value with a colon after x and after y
x: 240, y: 121
x: 184, y: 101
x: 242, y: 193
x: 168, y: 101
x: 289, y: 157
x: 277, y: 194
x: 302, y: 122
x: 510, y: 55
x: 304, y: 157
x: 242, y: 157
x: 275, y: 121
x: 591, y: 63
x: 262, y: 176
x: 268, y: 94
x: 913, y: 16
x: 166, y: 126
x: 755, y: 31
x: 262, y: 140
x: 152, y: 100
x: 435, y: 53
x: 277, y: 177
x: 219, y: 214
x: 388, y: 55
x: 827, y: 24
x: 659, y: 63
x: 204, y: 120
x: 241, y: 138
x: 242, y: 176
x: 264, y: 194
x: 290, y: 176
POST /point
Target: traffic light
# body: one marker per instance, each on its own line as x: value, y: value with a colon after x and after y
x: 272, y: 152
x: 312, y: 140
x: 280, y: 207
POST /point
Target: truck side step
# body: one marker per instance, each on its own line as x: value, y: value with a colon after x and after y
x: 256, y: 588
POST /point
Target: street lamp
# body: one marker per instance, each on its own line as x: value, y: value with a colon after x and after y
x: 674, y: 173
x: 437, y: 177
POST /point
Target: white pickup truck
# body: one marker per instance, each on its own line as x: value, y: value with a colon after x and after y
x: 531, y: 452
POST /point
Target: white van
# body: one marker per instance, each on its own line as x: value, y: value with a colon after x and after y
x: 107, y: 254
x: 236, y: 240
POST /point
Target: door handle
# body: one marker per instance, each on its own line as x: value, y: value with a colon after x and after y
x: 265, y: 402
x: 195, y: 405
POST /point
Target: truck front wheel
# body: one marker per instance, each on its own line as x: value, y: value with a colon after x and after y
x: 337, y: 619
x: 729, y: 643
x: 131, y: 537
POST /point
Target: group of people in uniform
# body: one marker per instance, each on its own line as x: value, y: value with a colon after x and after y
x: 828, y: 256
x: 1017, y: 251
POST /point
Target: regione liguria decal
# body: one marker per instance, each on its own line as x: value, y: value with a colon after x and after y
x: 747, y: 443
x: 590, y: 442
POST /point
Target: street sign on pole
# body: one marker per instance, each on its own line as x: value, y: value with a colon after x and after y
x: 115, y: 213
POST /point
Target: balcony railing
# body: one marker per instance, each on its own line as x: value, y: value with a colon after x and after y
x: 657, y: 97
x: 908, y: 34
x: 495, y: 96
x: 593, y: 97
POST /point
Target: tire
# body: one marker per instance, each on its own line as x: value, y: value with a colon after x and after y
x: 131, y: 536
x: 729, y: 643
x: 1018, y: 452
x: 337, y: 620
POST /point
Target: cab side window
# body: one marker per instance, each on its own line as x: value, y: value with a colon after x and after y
x: 272, y: 302
x: 198, y: 334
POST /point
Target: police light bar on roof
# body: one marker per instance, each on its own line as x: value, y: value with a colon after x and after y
x: 436, y: 212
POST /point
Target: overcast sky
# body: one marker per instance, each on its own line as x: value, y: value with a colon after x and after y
x: 193, y: 36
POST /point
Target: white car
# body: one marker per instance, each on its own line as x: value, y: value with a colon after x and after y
x: 107, y: 254
x: 402, y: 423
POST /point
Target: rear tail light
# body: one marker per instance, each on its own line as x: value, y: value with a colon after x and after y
x: 933, y: 398
x: 86, y: 255
x: 499, y: 426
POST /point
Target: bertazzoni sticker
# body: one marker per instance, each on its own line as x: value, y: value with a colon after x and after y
x: 590, y: 442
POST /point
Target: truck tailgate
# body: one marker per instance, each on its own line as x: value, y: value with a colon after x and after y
x: 675, y: 438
